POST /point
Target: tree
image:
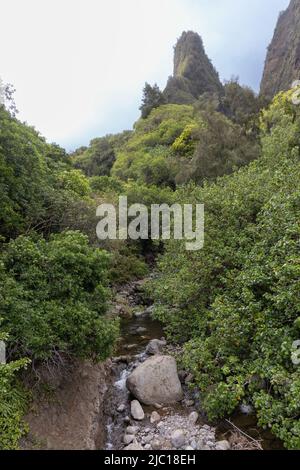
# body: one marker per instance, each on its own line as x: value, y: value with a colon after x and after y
x: 152, y: 98
x: 7, y: 97
x: 53, y: 298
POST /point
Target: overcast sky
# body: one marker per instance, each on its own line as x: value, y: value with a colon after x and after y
x: 79, y: 66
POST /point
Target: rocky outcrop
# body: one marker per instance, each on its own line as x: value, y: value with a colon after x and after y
x: 72, y: 417
x: 156, y: 381
x: 282, y: 65
x: 193, y: 74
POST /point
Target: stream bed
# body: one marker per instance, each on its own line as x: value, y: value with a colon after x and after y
x: 136, y: 332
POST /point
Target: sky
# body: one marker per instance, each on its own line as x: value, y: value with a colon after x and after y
x: 79, y: 66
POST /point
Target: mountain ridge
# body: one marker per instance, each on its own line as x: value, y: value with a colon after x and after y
x: 282, y: 64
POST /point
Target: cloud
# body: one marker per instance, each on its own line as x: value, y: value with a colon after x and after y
x: 79, y: 66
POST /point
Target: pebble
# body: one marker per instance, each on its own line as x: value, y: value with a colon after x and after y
x: 128, y: 439
x: 155, y: 417
x: 189, y: 403
x: 156, y: 444
x: 178, y: 438
x: 132, y: 430
x: 137, y: 411
x: 121, y: 408
x: 223, y: 445
x: 193, y: 418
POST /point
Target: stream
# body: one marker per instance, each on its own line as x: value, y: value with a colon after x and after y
x: 136, y: 332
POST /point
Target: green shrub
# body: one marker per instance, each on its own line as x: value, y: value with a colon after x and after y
x: 13, y: 404
x: 53, y: 298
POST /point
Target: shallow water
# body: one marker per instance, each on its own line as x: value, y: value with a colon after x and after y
x: 133, y: 342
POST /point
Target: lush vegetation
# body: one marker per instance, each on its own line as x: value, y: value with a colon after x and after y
x: 179, y: 143
x: 235, y: 304
x: 54, y: 281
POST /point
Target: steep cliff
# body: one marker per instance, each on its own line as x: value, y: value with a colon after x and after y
x: 282, y: 64
x: 193, y: 74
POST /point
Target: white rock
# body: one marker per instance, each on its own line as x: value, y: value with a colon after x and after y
x: 178, y: 438
x: 141, y: 330
x: 156, y: 444
x: 223, y: 445
x: 246, y: 409
x: 147, y: 447
x: 155, y: 417
x: 121, y: 408
x: 132, y: 430
x: 194, y: 444
x: 189, y: 403
x: 210, y: 444
x: 128, y: 439
x: 189, y: 448
x: 148, y: 439
x: 193, y: 418
x: 134, y: 446
x: 158, y: 406
x: 137, y: 411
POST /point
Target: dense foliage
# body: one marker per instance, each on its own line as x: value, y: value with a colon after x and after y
x: 53, y: 282
x: 53, y: 297
x: 235, y: 304
x: 99, y: 157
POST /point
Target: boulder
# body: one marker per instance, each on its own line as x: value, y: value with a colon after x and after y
x: 137, y: 411
x: 156, y: 381
x: 155, y: 347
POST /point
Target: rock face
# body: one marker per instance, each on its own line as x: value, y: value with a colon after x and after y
x: 156, y: 381
x: 282, y: 65
x: 193, y: 74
